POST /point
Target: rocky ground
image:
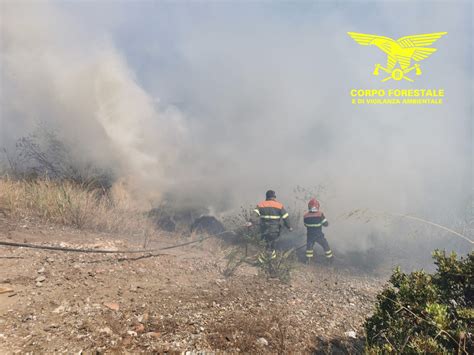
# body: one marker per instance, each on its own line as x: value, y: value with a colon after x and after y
x: 177, y: 301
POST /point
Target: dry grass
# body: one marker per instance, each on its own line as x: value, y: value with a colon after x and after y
x: 70, y: 204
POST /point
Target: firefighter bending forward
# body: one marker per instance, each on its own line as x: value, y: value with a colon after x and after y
x: 270, y: 213
x: 314, y: 220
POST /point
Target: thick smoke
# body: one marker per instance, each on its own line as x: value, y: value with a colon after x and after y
x: 53, y: 72
x: 252, y: 96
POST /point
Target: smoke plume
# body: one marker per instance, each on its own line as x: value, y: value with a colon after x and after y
x: 213, y: 104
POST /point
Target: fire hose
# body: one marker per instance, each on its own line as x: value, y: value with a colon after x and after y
x: 101, y: 251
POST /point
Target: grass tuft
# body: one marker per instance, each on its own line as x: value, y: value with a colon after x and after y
x: 75, y: 205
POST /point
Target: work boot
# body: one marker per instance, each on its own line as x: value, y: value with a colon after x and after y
x: 329, y: 257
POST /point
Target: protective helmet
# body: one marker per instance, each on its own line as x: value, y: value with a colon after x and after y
x: 270, y: 194
x: 313, y: 205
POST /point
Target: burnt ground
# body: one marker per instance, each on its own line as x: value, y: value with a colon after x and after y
x: 173, y: 302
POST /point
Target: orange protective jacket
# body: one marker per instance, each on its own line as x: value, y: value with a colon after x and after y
x: 270, y: 214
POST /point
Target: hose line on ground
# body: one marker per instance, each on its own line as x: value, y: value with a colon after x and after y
x: 100, y: 251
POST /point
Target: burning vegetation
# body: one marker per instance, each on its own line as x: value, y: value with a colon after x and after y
x: 419, y: 312
x: 132, y: 175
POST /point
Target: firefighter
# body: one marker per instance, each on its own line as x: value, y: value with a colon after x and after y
x: 270, y: 214
x: 314, y: 220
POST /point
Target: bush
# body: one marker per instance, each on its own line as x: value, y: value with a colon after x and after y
x: 280, y: 267
x: 235, y: 258
x: 426, y: 313
x: 44, y: 153
x: 251, y: 249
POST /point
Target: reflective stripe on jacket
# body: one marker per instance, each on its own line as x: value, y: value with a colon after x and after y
x: 270, y: 213
x: 314, y: 221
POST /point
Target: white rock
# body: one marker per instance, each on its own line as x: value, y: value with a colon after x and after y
x: 40, y: 278
x: 106, y: 330
x: 132, y: 333
x: 351, y: 334
x: 59, y: 309
x: 262, y: 342
x: 40, y: 271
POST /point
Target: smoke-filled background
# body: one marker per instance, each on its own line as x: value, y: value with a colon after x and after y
x: 213, y: 103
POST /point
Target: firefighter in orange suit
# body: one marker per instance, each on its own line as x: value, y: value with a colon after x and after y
x: 270, y: 214
x: 314, y: 221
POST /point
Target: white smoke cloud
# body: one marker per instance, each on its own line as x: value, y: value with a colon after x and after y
x: 252, y: 97
x: 53, y: 72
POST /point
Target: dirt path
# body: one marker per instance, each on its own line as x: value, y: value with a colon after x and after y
x: 179, y: 301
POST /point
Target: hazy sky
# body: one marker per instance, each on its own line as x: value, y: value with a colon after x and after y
x: 215, y: 102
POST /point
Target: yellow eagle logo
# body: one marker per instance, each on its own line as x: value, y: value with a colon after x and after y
x: 401, y: 51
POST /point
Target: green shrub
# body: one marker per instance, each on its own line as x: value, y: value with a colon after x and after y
x: 235, y: 258
x: 426, y: 313
x: 279, y: 267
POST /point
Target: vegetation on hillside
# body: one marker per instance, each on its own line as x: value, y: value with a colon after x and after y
x: 426, y: 313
